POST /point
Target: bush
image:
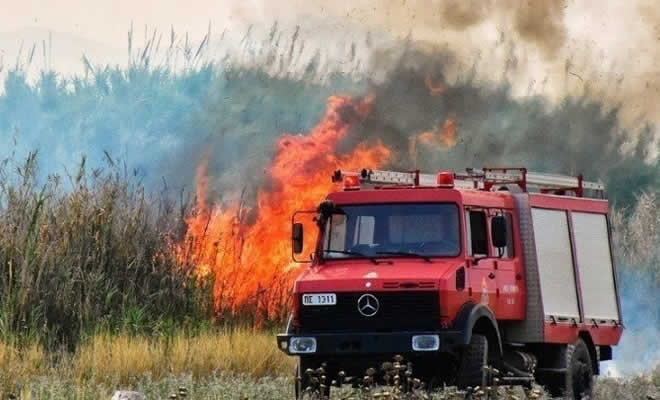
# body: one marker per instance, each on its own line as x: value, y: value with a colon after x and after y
x: 87, y: 251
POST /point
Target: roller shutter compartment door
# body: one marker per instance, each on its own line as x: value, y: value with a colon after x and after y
x: 594, y: 260
x: 555, y: 262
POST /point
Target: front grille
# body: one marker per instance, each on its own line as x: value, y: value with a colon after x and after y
x: 398, y: 311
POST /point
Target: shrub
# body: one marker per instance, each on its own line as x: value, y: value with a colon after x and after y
x: 89, y: 250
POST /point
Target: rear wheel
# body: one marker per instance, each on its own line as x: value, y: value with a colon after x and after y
x: 472, y: 365
x: 580, y: 374
x: 577, y: 382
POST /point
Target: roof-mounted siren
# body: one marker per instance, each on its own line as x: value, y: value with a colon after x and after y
x: 350, y: 180
x: 445, y: 179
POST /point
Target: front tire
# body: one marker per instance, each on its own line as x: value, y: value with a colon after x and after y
x: 472, y: 365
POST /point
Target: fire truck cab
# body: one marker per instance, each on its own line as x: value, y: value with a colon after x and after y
x: 456, y: 272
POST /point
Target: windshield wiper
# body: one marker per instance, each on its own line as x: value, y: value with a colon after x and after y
x: 353, y: 253
x: 405, y: 253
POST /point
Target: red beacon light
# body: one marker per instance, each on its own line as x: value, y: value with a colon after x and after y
x: 351, y: 182
x: 445, y: 179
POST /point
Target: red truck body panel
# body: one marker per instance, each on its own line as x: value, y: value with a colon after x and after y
x: 496, y: 282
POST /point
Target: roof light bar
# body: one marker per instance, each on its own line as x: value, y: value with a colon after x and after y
x: 478, y: 179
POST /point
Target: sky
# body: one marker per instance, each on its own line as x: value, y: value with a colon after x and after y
x: 107, y: 21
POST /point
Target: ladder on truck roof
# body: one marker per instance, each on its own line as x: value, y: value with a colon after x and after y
x: 485, y: 179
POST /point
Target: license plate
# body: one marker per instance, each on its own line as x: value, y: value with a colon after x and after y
x: 319, y: 299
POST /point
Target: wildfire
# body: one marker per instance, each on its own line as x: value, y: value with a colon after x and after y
x: 250, y: 262
x: 440, y: 138
x: 434, y: 88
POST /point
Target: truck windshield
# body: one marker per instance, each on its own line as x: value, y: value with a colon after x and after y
x: 386, y: 230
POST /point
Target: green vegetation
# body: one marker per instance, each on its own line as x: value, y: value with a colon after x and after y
x: 87, y: 252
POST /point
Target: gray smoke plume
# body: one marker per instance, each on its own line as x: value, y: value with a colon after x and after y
x: 494, y: 128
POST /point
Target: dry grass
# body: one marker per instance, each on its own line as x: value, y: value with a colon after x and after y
x: 88, y: 254
x: 243, y: 351
x: 121, y: 359
x: 18, y: 362
x: 637, y: 234
x: 232, y: 363
x: 105, y: 361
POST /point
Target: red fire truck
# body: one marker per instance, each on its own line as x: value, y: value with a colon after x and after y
x: 455, y: 272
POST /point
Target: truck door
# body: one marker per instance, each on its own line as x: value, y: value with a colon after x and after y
x: 507, y: 265
x: 482, y: 273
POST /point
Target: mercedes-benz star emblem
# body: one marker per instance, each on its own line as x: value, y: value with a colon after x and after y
x: 368, y: 305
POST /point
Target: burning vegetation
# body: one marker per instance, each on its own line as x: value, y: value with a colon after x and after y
x: 244, y: 249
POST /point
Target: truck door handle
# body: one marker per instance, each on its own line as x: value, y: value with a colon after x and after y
x: 491, y: 275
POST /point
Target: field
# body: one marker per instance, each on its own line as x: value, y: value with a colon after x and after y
x: 99, y: 287
x: 232, y: 364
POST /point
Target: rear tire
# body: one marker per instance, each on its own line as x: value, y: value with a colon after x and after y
x: 578, y: 380
x: 472, y: 365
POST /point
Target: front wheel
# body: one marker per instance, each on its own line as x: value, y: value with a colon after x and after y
x: 473, y: 362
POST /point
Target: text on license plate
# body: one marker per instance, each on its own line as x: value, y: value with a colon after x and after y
x: 319, y: 299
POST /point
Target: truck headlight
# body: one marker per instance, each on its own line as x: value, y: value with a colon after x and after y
x: 425, y: 342
x: 302, y: 345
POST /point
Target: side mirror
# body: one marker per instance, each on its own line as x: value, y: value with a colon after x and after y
x: 297, y: 237
x: 498, y: 231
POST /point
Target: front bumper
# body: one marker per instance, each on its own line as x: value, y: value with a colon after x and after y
x: 370, y: 343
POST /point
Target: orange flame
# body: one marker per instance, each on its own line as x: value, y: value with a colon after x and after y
x: 444, y: 137
x: 434, y: 89
x: 439, y: 138
x: 250, y: 262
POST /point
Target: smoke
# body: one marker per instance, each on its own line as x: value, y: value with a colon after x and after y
x: 458, y: 14
x: 541, y: 23
x: 492, y: 127
x: 639, y: 348
x: 636, y: 234
x: 550, y: 48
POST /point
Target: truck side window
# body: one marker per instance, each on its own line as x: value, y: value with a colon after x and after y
x: 478, y: 233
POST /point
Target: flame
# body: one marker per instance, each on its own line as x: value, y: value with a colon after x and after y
x: 434, y: 88
x: 444, y: 137
x: 250, y: 262
x: 438, y: 138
